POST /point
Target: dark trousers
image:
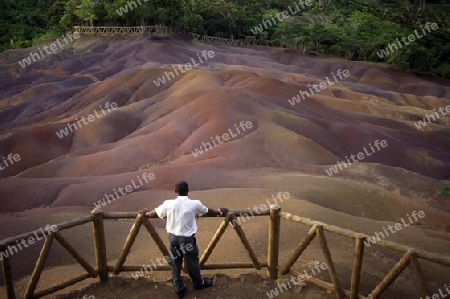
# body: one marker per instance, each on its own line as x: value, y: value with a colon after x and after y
x: 184, y: 247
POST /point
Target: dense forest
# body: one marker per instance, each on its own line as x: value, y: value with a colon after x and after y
x: 409, y: 34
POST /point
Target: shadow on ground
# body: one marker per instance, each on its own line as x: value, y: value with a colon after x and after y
x: 235, y: 286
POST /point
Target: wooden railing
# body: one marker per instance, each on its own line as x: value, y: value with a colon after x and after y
x: 157, y: 30
x: 160, y: 30
x: 56, y: 235
x: 411, y: 256
x: 235, y: 42
x: 100, y: 271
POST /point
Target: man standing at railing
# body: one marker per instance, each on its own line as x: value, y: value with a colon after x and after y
x: 181, y: 226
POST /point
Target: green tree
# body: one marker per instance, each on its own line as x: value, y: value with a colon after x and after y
x: 68, y: 19
x: 85, y: 11
x: 295, y: 35
x: 54, y: 13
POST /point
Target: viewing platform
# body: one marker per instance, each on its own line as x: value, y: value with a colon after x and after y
x: 272, y: 262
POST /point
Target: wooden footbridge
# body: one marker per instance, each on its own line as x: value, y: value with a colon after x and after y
x: 101, y: 268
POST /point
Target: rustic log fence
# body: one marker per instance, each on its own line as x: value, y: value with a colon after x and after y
x: 97, y: 217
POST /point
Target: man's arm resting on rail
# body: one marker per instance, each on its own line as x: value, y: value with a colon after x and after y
x: 149, y: 214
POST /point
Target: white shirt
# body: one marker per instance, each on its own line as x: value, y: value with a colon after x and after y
x: 180, y: 213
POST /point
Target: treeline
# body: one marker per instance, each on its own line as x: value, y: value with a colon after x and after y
x: 368, y: 30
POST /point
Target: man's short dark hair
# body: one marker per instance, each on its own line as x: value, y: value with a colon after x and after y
x: 182, y: 188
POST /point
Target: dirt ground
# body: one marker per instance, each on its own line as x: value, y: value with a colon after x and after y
x: 226, y: 286
x: 60, y: 266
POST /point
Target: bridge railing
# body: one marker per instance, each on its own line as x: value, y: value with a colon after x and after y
x: 411, y: 256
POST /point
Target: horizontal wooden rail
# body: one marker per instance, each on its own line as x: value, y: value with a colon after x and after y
x: 321, y: 283
x: 249, y: 212
x: 210, y: 266
x: 61, y: 226
x: 61, y: 286
x: 214, y: 266
x: 75, y: 222
x: 237, y: 213
x: 119, y: 215
x: 138, y: 268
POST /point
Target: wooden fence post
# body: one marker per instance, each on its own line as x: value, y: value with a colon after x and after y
x: 357, y: 267
x: 7, y: 275
x: 423, y: 288
x: 274, y: 241
x: 100, y: 244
